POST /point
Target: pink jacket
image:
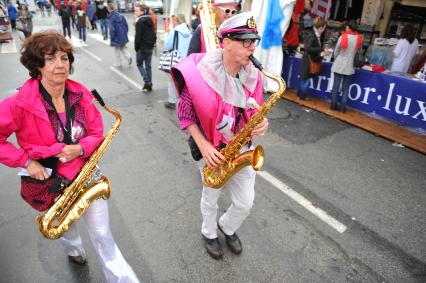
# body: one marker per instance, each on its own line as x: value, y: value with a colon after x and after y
x: 25, y: 115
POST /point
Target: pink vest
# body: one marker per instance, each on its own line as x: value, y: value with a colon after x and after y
x: 208, y: 105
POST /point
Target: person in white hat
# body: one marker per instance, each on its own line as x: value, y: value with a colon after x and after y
x: 216, y: 93
x: 223, y: 9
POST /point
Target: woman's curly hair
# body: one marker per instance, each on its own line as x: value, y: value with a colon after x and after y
x: 38, y: 45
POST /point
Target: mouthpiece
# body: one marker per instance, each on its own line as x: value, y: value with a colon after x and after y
x: 256, y: 62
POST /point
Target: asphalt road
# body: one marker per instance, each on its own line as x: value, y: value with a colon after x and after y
x: 335, y: 203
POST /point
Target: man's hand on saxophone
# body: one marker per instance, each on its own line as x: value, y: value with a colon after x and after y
x: 210, y: 154
x: 261, y: 128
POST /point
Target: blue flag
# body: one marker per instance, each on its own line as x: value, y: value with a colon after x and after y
x: 272, y: 33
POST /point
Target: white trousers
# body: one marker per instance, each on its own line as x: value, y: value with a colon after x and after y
x: 114, y: 266
x: 173, y: 95
x: 122, y: 51
x: 241, y: 189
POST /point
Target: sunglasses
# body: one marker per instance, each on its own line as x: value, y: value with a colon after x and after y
x: 247, y: 42
x: 228, y: 11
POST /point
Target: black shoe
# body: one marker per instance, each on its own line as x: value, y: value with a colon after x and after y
x: 147, y: 87
x: 233, y: 242
x: 170, y: 105
x: 79, y: 259
x: 213, y: 247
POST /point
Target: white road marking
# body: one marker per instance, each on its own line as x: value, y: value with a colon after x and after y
x: 91, y: 55
x: 8, y: 47
x: 321, y: 214
x: 99, y: 37
x: 135, y: 84
x: 77, y: 43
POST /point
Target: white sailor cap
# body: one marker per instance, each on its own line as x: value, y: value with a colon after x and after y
x: 240, y: 26
x: 225, y: 2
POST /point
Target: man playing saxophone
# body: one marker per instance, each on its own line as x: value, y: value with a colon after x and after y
x: 217, y: 91
x: 58, y: 127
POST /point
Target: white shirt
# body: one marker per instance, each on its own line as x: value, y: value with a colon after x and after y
x: 404, y: 52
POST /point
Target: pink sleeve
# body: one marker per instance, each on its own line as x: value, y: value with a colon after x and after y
x: 95, y: 128
x: 186, y: 112
x: 10, y: 155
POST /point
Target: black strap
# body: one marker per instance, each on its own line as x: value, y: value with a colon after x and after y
x: 176, y: 41
x: 237, y: 120
x: 67, y: 130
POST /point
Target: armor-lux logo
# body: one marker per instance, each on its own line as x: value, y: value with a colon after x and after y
x: 251, y: 23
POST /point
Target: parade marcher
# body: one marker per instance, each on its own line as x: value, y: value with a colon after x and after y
x: 348, y: 44
x: 145, y: 38
x: 182, y: 41
x: 118, y: 36
x: 55, y: 118
x: 216, y: 91
x: 101, y: 14
x: 223, y: 9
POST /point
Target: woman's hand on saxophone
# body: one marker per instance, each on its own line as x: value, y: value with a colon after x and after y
x: 69, y: 152
x: 261, y: 128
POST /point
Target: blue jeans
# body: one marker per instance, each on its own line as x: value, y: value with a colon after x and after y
x: 345, y: 80
x: 303, y: 89
x: 104, y: 27
x: 143, y: 57
x: 67, y: 28
x: 82, y: 33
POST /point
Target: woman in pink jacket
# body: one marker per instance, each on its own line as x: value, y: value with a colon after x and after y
x: 57, y: 126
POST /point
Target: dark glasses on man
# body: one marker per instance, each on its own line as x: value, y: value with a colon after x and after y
x: 247, y: 42
x: 228, y: 11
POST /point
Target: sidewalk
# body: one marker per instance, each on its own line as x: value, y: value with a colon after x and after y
x: 381, y: 128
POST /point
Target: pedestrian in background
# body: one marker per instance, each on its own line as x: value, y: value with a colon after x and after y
x: 12, y: 12
x: 145, y: 39
x: 81, y: 23
x: 183, y: 38
x: 101, y: 14
x: 91, y: 14
x: 26, y: 18
x: 65, y: 14
x: 348, y: 44
x: 313, y: 51
x: 405, y: 49
x: 118, y: 35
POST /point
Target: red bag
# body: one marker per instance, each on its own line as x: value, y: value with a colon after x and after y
x: 40, y: 194
x: 314, y: 65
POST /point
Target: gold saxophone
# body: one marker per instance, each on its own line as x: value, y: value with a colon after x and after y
x: 209, y: 26
x: 216, y: 177
x: 77, y: 196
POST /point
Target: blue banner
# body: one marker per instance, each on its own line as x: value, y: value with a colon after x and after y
x: 396, y: 98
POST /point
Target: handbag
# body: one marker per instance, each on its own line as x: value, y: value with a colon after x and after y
x: 359, y: 60
x: 22, y: 25
x: 171, y: 57
x: 314, y: 66
x: 42, y: 194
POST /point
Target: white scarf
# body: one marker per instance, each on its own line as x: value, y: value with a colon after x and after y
x: 229, y: 88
